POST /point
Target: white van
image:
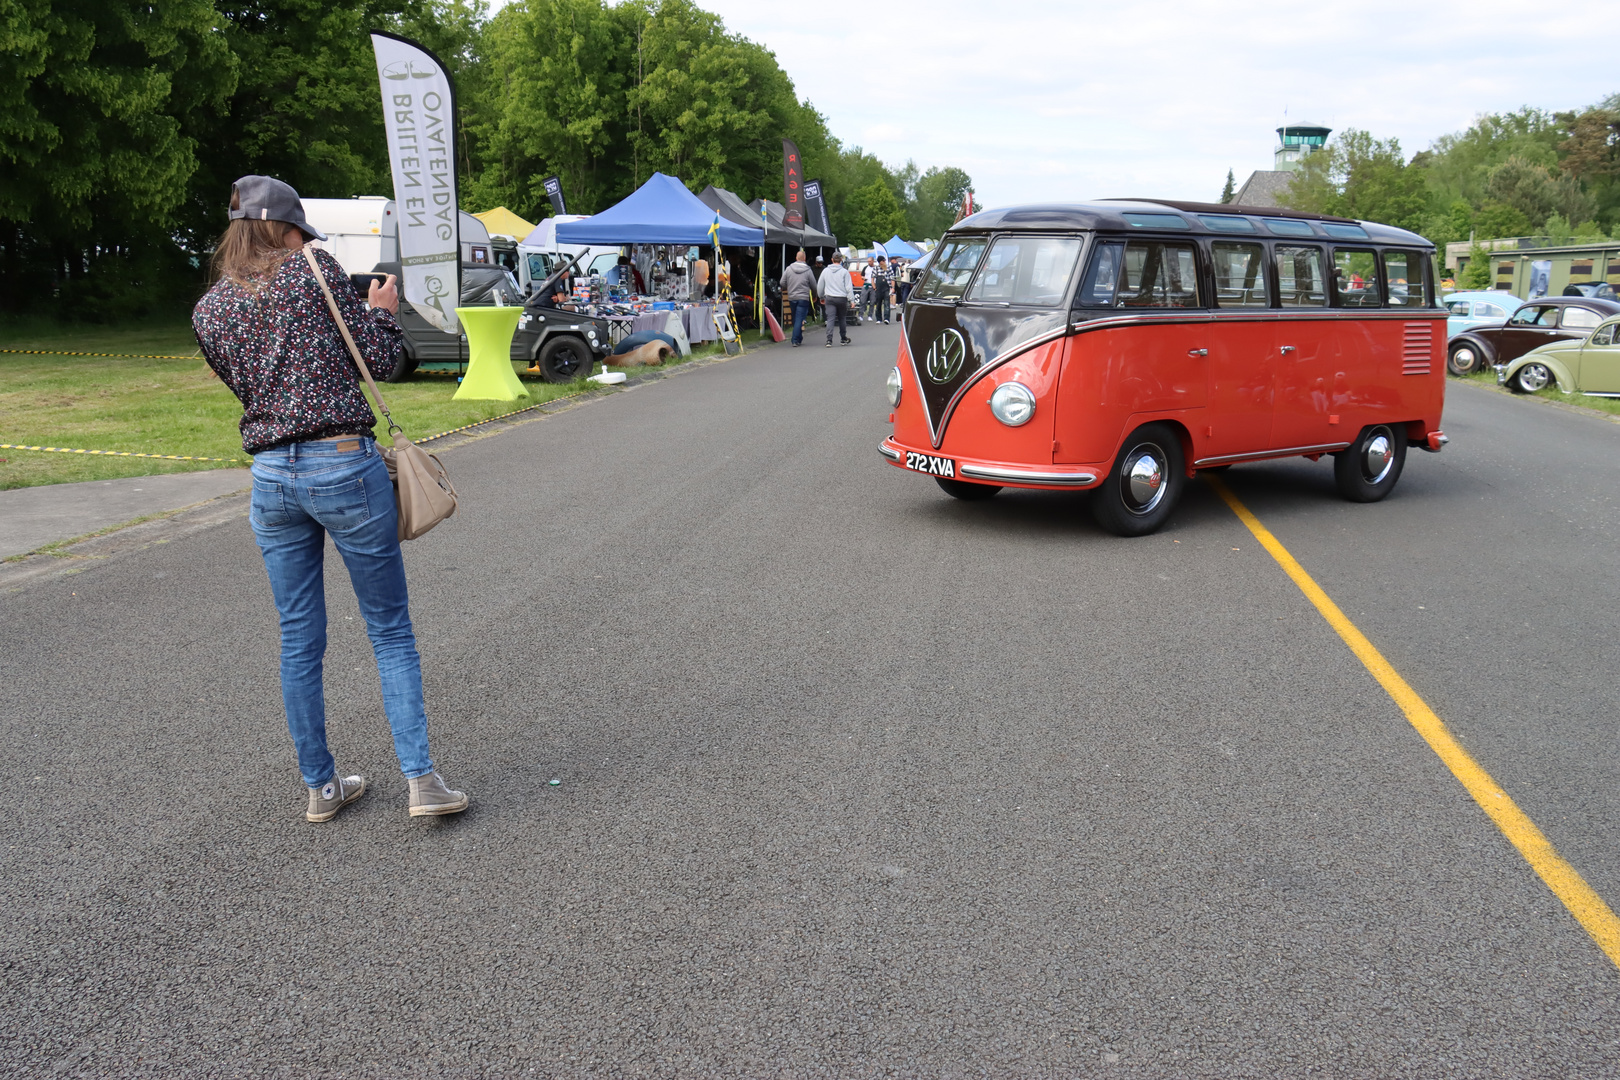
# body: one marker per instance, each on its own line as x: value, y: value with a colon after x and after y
x: 353, y: 228
x: 362, y: 232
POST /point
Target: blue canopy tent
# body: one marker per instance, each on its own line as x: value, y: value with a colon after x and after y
x: 898, y: 248
x: 661, y: 211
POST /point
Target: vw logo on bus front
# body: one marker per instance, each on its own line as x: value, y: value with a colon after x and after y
x: 945, y: 356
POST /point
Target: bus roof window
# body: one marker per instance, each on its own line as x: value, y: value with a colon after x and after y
x: 1345, y: 232
x: 1289, y: 226
x: 1227, y: 223
x: 1156, y: 221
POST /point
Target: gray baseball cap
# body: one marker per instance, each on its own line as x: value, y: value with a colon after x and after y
x: 264, y: 198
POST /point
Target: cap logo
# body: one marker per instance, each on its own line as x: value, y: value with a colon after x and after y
x: 945, y: 356
x: 264, y: 213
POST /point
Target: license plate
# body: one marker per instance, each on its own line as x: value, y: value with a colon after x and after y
x: 928, y: 463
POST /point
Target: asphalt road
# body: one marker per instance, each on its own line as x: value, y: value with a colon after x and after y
x: 856, y: 780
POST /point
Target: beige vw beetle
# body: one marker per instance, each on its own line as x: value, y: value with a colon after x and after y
x: 1588, y: 366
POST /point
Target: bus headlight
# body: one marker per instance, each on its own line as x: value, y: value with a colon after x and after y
x: 894, y: 388
x: 1012, y: 403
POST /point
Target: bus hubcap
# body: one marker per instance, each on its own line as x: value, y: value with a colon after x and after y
x: 1144, y: 480
x: 1378, y: 457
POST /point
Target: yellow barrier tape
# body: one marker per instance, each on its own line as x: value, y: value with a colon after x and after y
x: 114, y: 453
x: 123, y: 355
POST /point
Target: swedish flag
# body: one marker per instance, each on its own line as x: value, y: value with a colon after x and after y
x: 714, y: 231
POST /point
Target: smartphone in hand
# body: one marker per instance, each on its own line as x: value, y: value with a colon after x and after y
x: 362, y: 282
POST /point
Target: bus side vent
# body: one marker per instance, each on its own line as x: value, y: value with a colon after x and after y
x: 1417, y: 355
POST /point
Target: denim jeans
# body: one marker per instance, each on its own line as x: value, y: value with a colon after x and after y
x: 801, y: 312
x: 302, y: 492
x: 880, y: 303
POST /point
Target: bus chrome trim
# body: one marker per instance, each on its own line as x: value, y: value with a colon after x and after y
x: 888, y: 451
x: 1325, y: 448
x: 1027, y: 476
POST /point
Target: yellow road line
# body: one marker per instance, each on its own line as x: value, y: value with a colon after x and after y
x: 1568, y: 885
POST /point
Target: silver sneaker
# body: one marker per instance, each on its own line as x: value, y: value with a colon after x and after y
x: 430, y: 797
x: 325, y: 801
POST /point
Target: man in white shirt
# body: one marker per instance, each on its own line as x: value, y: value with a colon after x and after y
x: 836, y: 291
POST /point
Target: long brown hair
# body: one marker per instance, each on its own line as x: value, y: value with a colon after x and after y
x: 251, y: 250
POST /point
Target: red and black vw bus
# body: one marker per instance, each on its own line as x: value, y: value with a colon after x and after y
x: 1125, y: 344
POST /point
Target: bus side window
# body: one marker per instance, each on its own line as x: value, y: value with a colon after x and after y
x: 1404, y: 272
x: 1240, y: 275
x: 1102, y: 277
x: 1300, y: 281
x: 1158, y: 274
x: 1355, y: 278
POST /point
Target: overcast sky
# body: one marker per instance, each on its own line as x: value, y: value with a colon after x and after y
x: 1040, y: 100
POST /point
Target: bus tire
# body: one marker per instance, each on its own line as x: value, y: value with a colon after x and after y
x: 564, y: 359
x: 1368, y: 469
x: 966, y: 491
x: 1143, y: 485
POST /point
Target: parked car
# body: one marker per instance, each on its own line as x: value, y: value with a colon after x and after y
x: 1588, y: 365
x: 1538, y: 322
x: 1472, y: 309
x: 1600, y: 289
x: 559, y: 345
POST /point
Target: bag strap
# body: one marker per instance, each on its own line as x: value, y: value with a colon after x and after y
x: 343, y: 327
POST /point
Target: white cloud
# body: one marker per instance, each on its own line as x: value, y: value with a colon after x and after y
x: 1042, y: 100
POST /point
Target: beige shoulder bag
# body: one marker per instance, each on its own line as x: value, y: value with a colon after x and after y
x: 422, y: 490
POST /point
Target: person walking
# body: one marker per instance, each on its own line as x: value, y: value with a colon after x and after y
x: 799, y: 286
x: 868, y: 288
x: 879, y: 277
x: 836, y: 293
x: 265, y: 329
x: 902, y: 284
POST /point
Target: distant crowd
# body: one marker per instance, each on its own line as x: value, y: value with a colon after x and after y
x: 837, y: 293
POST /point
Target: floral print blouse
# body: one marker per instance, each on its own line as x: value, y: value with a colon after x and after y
x: 280, y: 352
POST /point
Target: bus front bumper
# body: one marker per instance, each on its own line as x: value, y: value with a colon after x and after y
x: 1005, y: 474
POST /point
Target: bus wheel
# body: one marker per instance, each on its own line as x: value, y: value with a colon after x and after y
x: 961, y: 489
x: 1463, y: 358
x: 564, y: 359
x: 1144, y: 484
x: 1530, y: 378
x: 1368, y: 468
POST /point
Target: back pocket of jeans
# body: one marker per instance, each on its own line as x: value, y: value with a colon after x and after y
x: 342, y: 506
x: 269, y: 506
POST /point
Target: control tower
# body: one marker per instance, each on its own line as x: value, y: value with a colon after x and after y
x: 1297, y: 141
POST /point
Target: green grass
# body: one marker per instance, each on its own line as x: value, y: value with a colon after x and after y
x: 1552, y: 393
x: 170, y: 406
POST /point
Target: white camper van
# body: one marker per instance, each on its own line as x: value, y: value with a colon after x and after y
x: 362, y: 232
x: 353, y: 228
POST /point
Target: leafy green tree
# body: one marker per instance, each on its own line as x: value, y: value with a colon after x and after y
x: 874, y: 215
x: 1477, y: 274
x: 1359, y: 176
x: 939, y: 194
x: 98, y: 100
x: 555, y: 103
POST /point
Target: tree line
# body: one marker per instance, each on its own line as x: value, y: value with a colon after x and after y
x: 123, y: 123
x: 1533, y: 172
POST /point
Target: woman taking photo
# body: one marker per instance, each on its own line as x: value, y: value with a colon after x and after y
x: 266, y: 330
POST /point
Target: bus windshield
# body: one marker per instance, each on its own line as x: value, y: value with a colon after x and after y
x: 948, y: 274
x: 1027, y: 271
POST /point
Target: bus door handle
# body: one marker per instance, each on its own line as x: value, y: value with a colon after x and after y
x: 1286, y: 349
x: 1197, y: 352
